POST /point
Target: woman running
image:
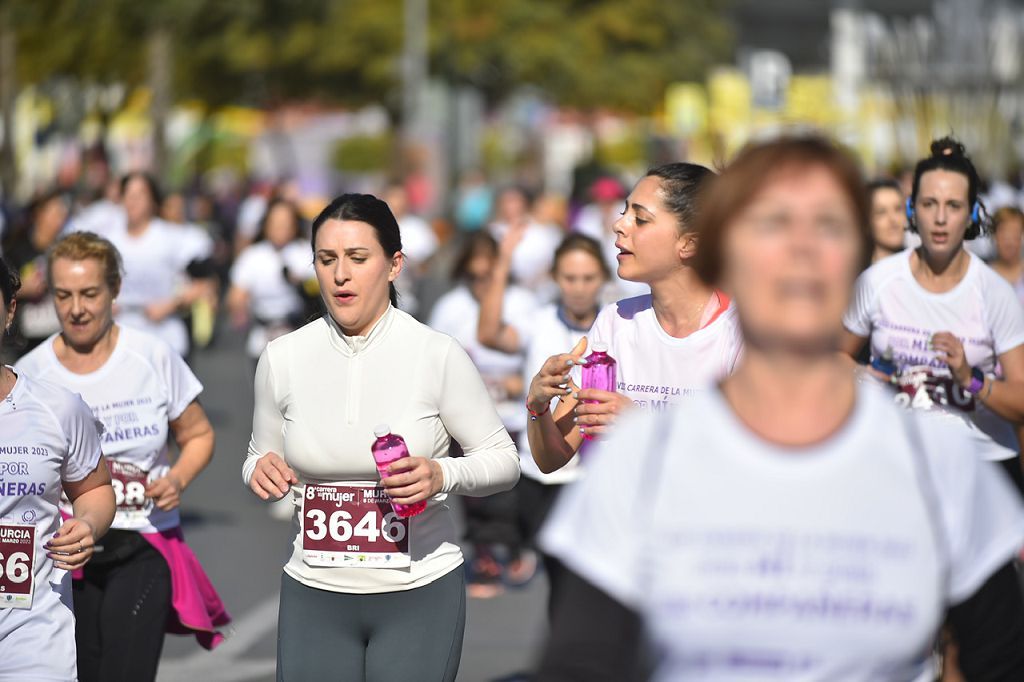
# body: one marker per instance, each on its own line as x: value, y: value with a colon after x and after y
x: 156, y: 287
x: 793, y: 524
x: 265, y: 279
x: 669, y: 344
x: 943, y: 317
x: 888, y: 218
x: 580, y: 273
x: 368, y: 595
x: 492, y: 523
x: 25, y: 251
x: 145, y: 581
x: 49, y: 441
x: 1008, y: 235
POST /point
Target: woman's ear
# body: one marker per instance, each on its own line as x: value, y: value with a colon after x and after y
x: 397, y: 263
x: 687, y: 246
x: 9, y: 315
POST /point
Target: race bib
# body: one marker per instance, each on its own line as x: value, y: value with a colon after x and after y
x: 17, y: 555
x: 919, y: 388
x: 129, y: 483
x: 352, y: 524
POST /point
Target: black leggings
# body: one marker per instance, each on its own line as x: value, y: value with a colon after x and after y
x: 121, y: 610
x: 387, y: 637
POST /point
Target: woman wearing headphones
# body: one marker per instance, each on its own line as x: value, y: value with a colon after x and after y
x: 944, y: 317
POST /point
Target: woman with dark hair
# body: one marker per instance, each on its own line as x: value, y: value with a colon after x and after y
x: 580, y: 272
x: 156, y: 286
x: 531, y: 262
x: 792, y: 524
x: 266, y: 277
x: 25, y: 251
x: 1008, y: 235
x: 49, y: 442
x: 373, y: 595
x: 944, y: 318
x: 673, y: 342
x: 888, y: 218
x: 492, y: 527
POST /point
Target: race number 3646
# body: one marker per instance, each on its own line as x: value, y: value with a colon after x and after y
x: 352, y: 523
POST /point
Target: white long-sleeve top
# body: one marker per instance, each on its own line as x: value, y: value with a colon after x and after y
x: 319, y: 395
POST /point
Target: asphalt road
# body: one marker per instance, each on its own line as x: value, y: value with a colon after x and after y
x: 243, y: 549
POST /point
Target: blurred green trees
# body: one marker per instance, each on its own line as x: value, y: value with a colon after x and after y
x: 586, y: 53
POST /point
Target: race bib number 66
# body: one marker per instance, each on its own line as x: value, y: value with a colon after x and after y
x: 17, y: 552
x: 352, y: 524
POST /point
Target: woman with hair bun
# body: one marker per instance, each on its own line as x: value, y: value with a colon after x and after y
x: 952, y: 328
x: 791, y: 524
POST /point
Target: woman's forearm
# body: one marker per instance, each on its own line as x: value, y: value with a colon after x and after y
x: 1005, y: 398
x: 96, y: 507
x: 196, y: 454
x: 489, y: 324
x: 550, y: 447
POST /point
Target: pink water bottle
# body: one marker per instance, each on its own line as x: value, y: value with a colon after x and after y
x: 599, y: 372
x: 390, y: 447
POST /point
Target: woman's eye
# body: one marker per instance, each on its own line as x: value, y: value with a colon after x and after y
x: 642, y: 221
x: 831, y: 228
x: 359, y: 260
x: 326, y: 261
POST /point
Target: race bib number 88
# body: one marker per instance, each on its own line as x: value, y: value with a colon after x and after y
x: 352, y: 524
x: 129, y: 483
x: 17, y: 552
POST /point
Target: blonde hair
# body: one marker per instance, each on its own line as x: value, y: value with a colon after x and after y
x: 85, y: 246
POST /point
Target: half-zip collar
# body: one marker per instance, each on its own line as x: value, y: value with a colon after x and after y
x: 351, y: 346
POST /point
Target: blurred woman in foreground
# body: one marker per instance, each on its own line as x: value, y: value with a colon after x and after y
x: 788, y: 525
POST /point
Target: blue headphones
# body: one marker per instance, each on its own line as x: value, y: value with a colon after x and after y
x: 975, y: 212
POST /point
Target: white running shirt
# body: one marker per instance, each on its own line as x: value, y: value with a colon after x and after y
x: 259, y: 270
x: 457, y: 313
x: 891, y: 308
x: 47, y: 435
x: 142, y: 387
x: 154, y: 270
x: 654, y: 369
x: 749, y: 561
x: 319, y: 395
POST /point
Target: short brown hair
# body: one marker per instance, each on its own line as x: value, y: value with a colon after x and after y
x: 83, y: 246
x: 755, y: 167
x: 581, y: 242
x: 1004, y: 215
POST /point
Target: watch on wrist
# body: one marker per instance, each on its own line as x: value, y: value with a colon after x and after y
x: 977, y: 381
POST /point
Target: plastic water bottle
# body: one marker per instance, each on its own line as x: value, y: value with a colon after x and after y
x: 390, y: 447
x: 599, y: 372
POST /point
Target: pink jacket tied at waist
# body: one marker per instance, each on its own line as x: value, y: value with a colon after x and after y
x: 198, y: 609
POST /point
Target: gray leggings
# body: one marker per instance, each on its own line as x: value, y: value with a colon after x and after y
x: 385, y: 637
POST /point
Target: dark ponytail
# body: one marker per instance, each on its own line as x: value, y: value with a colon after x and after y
x: 9, y: 283
x: 948, y: 154
x: 365, y: 208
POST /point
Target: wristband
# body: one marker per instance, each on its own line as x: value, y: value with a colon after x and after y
x: 534, y: 415
x: 977, y: 381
